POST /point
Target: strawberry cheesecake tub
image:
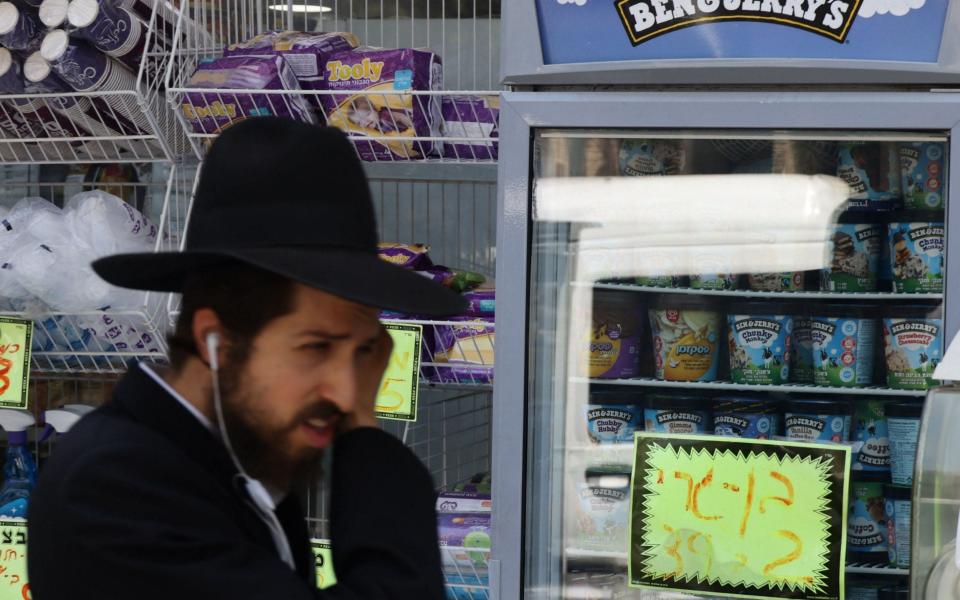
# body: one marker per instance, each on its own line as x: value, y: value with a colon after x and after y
x: 912, y: 347
x: 686, y: 340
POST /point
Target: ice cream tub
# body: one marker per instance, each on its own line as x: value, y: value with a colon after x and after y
x: 903, y: 426
x: 801, y: 359
x: 714, y: 281
x: 871, y: 444
x: 867, y: 519
x: 746, y: 418
x: 615, y: 336
x: 776, y: 282
x: 676, y: 414
x: 872, y: 170
x: 916, y: 257
x: 922, y: 175
x: 613, y: 423
x: 854, y: 258
x: 602, y: 509
x: 685, y: 343
x: 843, y: 347
x: 912, y: 347
x: 651, y: 157
x: 817, y: 421
x: 898, y: 509
x: 760, y: 345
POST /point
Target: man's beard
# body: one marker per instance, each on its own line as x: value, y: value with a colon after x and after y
x: 258, y: 440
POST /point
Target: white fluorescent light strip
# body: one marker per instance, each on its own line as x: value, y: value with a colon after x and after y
x: 301, y: 8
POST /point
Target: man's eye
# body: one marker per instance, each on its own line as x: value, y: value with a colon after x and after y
x: 318, y: 346
x: 364, y: 350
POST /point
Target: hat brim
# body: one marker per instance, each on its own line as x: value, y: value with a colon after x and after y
x: 358, y: 276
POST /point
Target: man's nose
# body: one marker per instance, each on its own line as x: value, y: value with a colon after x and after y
x: 340, y: 385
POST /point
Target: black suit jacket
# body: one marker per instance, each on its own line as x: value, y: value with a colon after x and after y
x: 138, y: 502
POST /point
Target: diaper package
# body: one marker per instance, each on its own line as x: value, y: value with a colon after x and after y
x: 211, y: 112
x: 470, y: 121
x: 374, y: 101
x: 305, y: 52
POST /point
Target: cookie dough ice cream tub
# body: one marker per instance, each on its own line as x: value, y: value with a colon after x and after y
x: 746, y: 418
x: 916, y: 256
x: 685, y: 341
x: 903, y: 427
x: 843, y: 346
x: 867, y: 520
x: 676, y: 414
x: 872, y: 170
x: 801, y: 358
x: 871, y: 444
x: 760, y: 345
x: 854, y: 258
x: 615, y: 336
x: 912, y: 348
x: 817, y: 421
x: 922, y: 175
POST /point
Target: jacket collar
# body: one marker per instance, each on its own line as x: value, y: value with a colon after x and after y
x: 138, y: 395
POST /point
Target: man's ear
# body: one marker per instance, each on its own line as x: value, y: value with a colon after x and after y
x: 205, y: 327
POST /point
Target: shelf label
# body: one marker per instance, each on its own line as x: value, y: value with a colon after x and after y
x: 738, y: 517
x: 397, y: 399
x: 13, y: 560
x: 15, y: 339
x: 323, y: 560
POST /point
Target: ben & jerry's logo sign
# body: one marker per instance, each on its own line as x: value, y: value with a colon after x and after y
x: 647, y: 19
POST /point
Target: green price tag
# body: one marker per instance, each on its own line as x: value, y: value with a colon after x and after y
x: 15, y: 336
x: 323, y: 556
x: 397, y: 399
x: 738, y: 517
x: 13, y: 560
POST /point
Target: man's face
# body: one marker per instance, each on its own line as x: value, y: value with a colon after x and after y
x: 282, y: 402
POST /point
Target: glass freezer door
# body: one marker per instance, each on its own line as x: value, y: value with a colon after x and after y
x: 758, y: 284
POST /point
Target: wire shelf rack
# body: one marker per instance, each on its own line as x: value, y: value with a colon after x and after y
x: 455, y: 121
x: 456, y: 353
x: 123, y: 118
x: 102, y: 342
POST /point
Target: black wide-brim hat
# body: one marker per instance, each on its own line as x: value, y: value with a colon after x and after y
x: 290, y: 198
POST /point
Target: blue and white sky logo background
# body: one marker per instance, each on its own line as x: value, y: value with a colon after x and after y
x: 574, y: 31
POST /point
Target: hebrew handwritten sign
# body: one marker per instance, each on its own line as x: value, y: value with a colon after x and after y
x: 13, y: 560
x: 323, y: 561
x: 15, y: 337
x: 397, y: 398
x: 738, y: 517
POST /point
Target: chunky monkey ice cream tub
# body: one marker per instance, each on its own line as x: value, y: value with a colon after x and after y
x: 916, y: 256
x: 760, y: 339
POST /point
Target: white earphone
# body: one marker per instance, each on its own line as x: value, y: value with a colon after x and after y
x: 213, y: 343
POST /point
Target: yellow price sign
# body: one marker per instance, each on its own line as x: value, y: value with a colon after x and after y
x: 738, y: 517
x: 13, y: 560
x: 15, y: 338
x: 323, y: 559
x: 397, y: 398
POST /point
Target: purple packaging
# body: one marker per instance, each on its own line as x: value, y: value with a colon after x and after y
x: 475, y: 118
x: 305, y: 52
x: 483, y: 303
x: 20, y: 27
x: 467, y: 348
x: 408, y: 256
x: 464, y: 502
x: 211, y: 112
x: 464, y: 529
x: 374, y: 102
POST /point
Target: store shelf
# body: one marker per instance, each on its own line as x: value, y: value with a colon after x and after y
x: 875, y: 569
x: 466, y: 572
x: 455, y: 353
x: 130, y: 122
x: 727, y: 386
x: 853, y: 296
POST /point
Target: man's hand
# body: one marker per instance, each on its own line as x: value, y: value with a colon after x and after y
x: 368, y: 383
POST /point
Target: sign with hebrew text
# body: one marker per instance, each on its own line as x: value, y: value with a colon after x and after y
x: 13, y: 560
x: 15, y: 340
x: 738, y: 517
x: 323, y: 562
x: 397, y: 398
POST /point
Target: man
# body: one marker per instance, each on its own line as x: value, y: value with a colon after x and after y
x: 184, y: 485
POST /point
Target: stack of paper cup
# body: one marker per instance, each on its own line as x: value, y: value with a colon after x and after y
x: 114, y: 30
x: 46, y: 122
x: 19, y: 28
x: 86, y: 69
x: 53, y: 13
